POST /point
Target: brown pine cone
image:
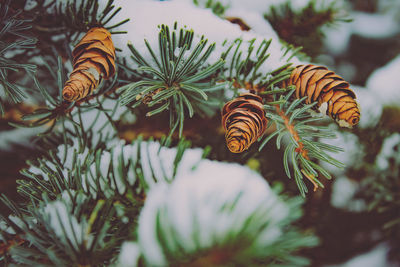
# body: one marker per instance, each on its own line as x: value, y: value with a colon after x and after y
x: 324, y: 86
x: 244, y: 121
x: 93, y: 59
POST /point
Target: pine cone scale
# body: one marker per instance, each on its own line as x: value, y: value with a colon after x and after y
x: 303, y: 83
x: 101, y: 64
x: 320, y: 74
x: 296, y: 74
x: 101, y: 47
x: 99, y: 34
x: 310, y: 96
x: 335, y: 85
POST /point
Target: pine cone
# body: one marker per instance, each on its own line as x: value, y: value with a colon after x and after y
x: 324, y: 86
x: 93, y: 59
x: 244, y: 121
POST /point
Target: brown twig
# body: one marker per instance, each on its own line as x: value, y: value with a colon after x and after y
x: 5, y: 247
x: 300, y: 148
x: 240, y: 22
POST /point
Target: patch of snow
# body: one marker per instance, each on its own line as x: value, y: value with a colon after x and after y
x: 20, y: 136
x: 347, y: 70
x: 384, y: 82
x: 337, y: 39
x: 377, y: 26
x: 202, y: 21
x: 377, y: 257
x: 374, y: 25
x: 343, y: 191
x: 343, y: 123
x: 129, y: 255
x: 97, y: 121
x: 65, y: 224
x: 128, y: 118
x: 5, y: 228
x: 390, y: 149
x: 370, y: 106
x: 323, y: 108
x: 8, y: 229
x: 390, y: 8
x: 353, y: 150
x: 205, y: 205
x: 262, y: 6
x: 155, y: 166
x: 155, y: 162
x: 30, y: 4
x: 254, y: 20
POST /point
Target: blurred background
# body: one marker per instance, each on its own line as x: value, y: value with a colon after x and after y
x: 357, y: 215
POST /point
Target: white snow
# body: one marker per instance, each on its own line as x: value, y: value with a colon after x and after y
x: 390, y: 8
x: 337, y: 39
x: 353, y: 150
x: 370, y: 106
x: 30, y: 4
x: 343, y: 191
x: 202, y: 21
x: 377, y: 257
x: 97, y: 119
x: 65, y: 224
x: 388, y: 151
x: 254, y: 19
x: 196, y: 205
x: 384, y: 82
x: 65, y: 154
x: 7, y: 229
x: 156, y: 164
x: 129, y: 255
x: 374, y: 25
x: 262, y: 6
x: 19, y: 136
x: 15, y: 220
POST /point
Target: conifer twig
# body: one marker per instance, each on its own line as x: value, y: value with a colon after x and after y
x: 300, y: 148
x: 6, y: 246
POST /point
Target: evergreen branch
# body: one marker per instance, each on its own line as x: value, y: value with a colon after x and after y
x: 81, y: 17
x: 59, y: 235
x: 58, y: 111
x: 380, y: 188
x: 75, y: 214
x: 14, y: 37
x: 238, y: 241
x: 292, y: 120
x: 300, y: 146
x: 303, y: 28
x: 175, y: 76
x: 98, y: 172
x: 6, y: 246
x: 244, y: 69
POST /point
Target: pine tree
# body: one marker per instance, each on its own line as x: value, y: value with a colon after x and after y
x: 135, y: 119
